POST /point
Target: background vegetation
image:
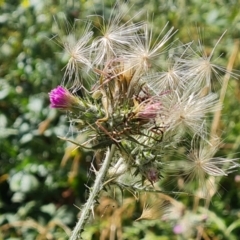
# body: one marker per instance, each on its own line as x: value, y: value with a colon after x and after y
x: 43, y: 179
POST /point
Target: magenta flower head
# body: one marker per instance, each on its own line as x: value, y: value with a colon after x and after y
x: 150, y: 111
x: 178, y: 229
x: 60, y: 97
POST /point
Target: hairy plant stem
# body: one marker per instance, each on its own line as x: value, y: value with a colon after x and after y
x: 97, y: 187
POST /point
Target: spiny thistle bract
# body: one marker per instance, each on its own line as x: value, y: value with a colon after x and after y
x: 145, y: 105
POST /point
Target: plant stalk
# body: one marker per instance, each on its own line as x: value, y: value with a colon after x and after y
x: 97, y: 187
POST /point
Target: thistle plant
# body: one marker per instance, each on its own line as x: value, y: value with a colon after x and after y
x: 138, y: 102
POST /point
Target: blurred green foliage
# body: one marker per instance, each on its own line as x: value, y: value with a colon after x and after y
x: 41, y: 176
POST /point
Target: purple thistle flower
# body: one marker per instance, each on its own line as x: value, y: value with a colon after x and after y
x: 150, y: 111
x: 178, y: 229
x: 60, y: 97
x: 152, y: 175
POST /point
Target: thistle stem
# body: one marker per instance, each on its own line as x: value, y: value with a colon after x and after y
x: 97, y: 187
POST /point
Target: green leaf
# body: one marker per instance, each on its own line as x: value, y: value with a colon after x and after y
x: 28, y: 183
x: 4, y: 88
